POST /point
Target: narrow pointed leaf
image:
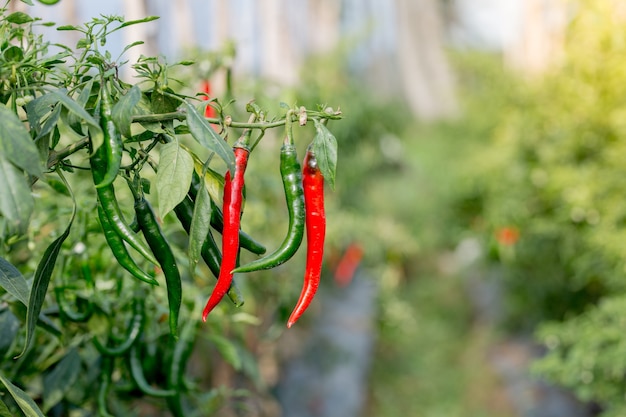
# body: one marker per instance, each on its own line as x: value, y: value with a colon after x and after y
x: 325, y: 148
x: 19, y: 18
x: 200, y: 226
x: 213, y: 181
x: 123, y: 110
x: 26, y: 404
x: 16, y: 144
x: 95, y: 132
x: 57, y: 383
x: 227, y: 350
x: 4, y: 410
x: 42, y: 280
x: 13, y: 281
x: 173, y: 176
x: 204, y: 134
x: 9, y: 329
x: 16, y: 200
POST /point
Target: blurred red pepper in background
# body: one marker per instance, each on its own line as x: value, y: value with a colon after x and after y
x: 349, y: 262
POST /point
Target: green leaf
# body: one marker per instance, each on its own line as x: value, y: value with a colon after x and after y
x: 16, y: 144
x: 57, y: 383
x: 162, y: 103
x: 26, y: 404
x: 19, y: 18
x: 173, y: 176
x: 13, y: 54
x: 97, y: 137
x: 200, y: 226
x: 16, y: 200
x: 127, y: 47
x: 68, y: 27
x: 204, y: 134
x: 42, y: 279
x: 213, y: 181
x: 227, y: 349
x: 4, y: 410
x: 122, y: 112
x: 13, y: 281
x: 9, y: 328
x: 29, y: 2
x: 134, y: 22
x: 325, y: 149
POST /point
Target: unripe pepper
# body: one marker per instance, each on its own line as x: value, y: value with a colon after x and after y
x: 163, y: 252
x: 292, y: 183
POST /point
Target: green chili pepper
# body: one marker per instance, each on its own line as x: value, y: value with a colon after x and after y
x: 111, y: 208
x: 162, y: 250
x: 106, y: 369
x: 134, y: 331
x: 292, y: 183
x: 180, y: 352
x: 136, y: 372
x: 68, y: 313
x: 112, y: 140
x: 85, y: 313
x: 118, y: 248
x: 210, y: 252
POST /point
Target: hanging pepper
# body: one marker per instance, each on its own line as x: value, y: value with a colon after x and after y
x: 135, y: 328
x: 313, y: 183
x: 294, y: 195
x: 163, y: 252
x: 116, y: 244
x: 233, y: 196
x: 210, y: 252
x: 110, y: 206
x: 246, y: 241
x: 112, y: 140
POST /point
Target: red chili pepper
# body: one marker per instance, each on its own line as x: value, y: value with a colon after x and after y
x: 348, y: 264
x: 315, y: 223
x: 209, y: 111
x: 507, y: 236
x: 230, y: 235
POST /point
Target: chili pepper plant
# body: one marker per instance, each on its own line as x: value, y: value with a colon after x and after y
x: 120, y: 221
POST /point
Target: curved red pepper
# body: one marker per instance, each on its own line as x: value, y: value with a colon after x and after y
x: 315, y: 223
x: 230, y: 235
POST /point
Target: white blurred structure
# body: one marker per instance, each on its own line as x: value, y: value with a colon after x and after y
x: 396, y: 47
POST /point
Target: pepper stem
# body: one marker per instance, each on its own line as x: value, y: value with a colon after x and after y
x: 289, y: 127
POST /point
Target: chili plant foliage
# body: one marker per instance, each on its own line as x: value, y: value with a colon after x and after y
x: 111, y: 303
